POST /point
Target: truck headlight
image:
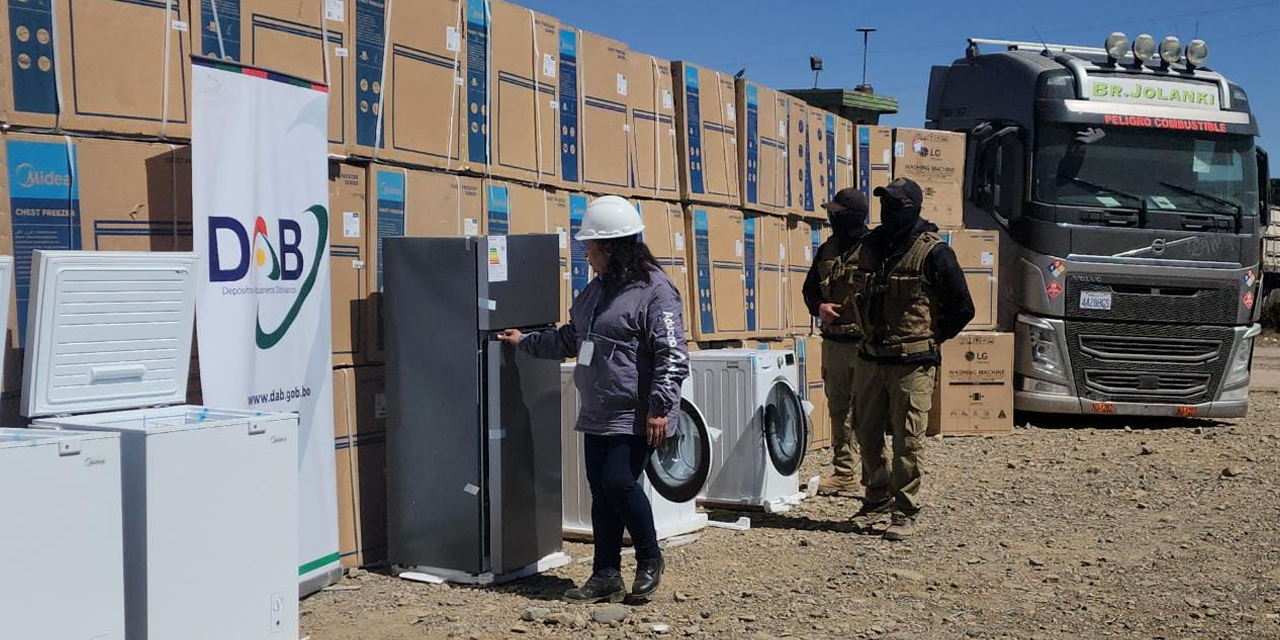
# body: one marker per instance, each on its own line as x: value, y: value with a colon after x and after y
x: 1044, y: 351
x: 1238, y: 369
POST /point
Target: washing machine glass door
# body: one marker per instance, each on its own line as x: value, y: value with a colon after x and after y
x: 785, y: 434
x: 679, y: 467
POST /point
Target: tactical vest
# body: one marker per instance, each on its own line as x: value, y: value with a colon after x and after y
x: 834, y: 273
x: 898, y: 314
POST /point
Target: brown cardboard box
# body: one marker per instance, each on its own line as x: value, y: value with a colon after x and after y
x: 822, y: 160
x: 978, y: 253
x: 706, y: 113
x: 771, y: 275
x: 561, y: 209
x: 285, y: 36
x: 123, y: 67
x: 762, y: 148
x: 348, y: 198
x: 874, y: 163
x: 846, y: 176
x: 974, y: 395
x: 718, y: 275
x: 412, y: 202
x: 653, y: 128
x: 803, y: 239
x: 664, y: 229
x: 801, y: 196
x: 605, y: 137
x: 360, y: 442
x: 418, y: 97
x: 935, y: 160
x: 86, y: 193
x: 523, y: 49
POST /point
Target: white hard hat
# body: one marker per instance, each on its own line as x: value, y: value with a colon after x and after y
x: 610, y: 217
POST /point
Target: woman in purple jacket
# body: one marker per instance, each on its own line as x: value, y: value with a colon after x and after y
x: 627, y: 333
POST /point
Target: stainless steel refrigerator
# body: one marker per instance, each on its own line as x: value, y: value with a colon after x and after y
x: 473, y: 425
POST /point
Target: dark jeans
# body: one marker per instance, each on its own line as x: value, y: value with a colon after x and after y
x: 614, y: 465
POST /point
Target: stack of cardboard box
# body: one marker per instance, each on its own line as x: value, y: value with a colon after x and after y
x: 450, y: 118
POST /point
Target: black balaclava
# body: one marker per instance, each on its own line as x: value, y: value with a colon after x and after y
x: 850, y: 224
x: 897, y: 217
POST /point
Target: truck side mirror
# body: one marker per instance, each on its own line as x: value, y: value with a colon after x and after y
x: 1266, y: 190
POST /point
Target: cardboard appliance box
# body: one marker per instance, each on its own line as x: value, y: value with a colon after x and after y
x: 978, y: 253
x: 974, y: 395
x: 412, y: 202
x: 718, y: 275
x: 664, y: 233
x: 360, y: 443
x: 935, y: 160
x: 803, y: 239
x: 801, y: 198
x: 86, y: 193
x: 762, y: 148
x: 653, y: 127
x: 348, y: 211
x: 524, y: 94
x: 771, y: 275
x: 97, y: 66
x: 605, y: 137
x: 822, y: 160
x: 846, y: 152
x: 287, y: 36
x: 874, y: 164
x: 419, y: 83
x: 706, y: 113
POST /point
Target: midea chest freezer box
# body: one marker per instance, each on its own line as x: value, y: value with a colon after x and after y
x: 209, y: 495
x: 60, y: 535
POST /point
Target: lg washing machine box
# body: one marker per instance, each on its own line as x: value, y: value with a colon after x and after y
x: 210, y: 496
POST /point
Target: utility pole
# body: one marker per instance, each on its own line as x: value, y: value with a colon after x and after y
x: 866, y: 33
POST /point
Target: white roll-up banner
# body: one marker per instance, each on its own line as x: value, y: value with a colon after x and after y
x: 261, y: 224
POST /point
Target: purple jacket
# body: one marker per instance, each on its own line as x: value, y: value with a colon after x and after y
x: 640, y: 356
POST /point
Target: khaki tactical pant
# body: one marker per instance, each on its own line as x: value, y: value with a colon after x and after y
x: 896, y: 398
x: 838, y: 362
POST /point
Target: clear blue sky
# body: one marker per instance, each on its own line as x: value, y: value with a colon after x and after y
x: 773, y: 39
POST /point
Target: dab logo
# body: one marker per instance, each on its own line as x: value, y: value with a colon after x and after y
x: 281, y: 261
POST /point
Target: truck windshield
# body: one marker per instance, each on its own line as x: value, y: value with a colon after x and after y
x: 1077, y: 165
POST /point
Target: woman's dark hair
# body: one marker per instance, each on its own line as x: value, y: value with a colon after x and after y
x: 629, y: 260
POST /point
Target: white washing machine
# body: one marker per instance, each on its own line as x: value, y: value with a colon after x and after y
x: 758, y: 427
x: 673, y: 479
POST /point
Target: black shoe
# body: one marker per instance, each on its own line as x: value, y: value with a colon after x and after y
x: 598, y: 588
x: 648, y: 577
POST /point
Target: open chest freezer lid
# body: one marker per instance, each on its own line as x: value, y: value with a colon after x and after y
x: 107, y: 330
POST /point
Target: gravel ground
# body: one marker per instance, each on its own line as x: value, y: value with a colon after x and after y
x: 1067, y: 529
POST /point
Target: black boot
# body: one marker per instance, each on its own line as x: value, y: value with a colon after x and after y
x: 648, y: 577
x: 598, y: 588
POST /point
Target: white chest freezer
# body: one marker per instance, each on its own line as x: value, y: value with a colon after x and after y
x: 209, y: 496
x: 60, y: 535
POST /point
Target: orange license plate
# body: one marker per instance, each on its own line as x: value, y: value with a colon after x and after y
x: 1187, y: 412
x: 1104, y: 407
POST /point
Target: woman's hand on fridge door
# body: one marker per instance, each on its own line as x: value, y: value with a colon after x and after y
x: 656, y: 430
x: 510, y: 336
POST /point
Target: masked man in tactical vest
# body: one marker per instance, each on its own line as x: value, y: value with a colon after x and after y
x: 909, y: 296
x: 826, y: 297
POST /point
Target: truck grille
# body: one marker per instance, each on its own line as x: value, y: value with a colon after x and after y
x: 1148, y: 384
x: 1135, y: 362
x: 1142, y: 349
x: 1136, y: 299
